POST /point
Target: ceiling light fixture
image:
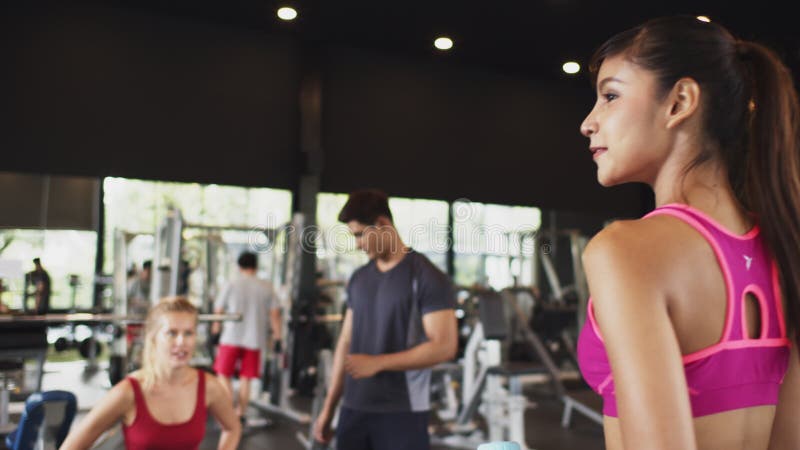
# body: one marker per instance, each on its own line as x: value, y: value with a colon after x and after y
x: 443, y: 43
x: 287, y: 13
x: 571, y: 67
x: 703, y: 19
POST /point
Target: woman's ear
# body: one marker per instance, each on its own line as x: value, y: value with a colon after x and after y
x: 683, y: 102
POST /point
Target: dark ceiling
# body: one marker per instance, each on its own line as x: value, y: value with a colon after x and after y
x: 524, y: 38
x: 100, y: 75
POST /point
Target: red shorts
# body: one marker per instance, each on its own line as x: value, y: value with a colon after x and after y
x: 227, y: 355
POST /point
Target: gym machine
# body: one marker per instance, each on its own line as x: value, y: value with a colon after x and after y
x: 483, y: 376
x: 492, y: 383
x: 170, y: 277
x: 324, y: 370
x: 304, y: 329
x: 546, y: 243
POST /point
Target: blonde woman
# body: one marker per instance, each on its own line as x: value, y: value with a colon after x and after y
x: 163, y: 405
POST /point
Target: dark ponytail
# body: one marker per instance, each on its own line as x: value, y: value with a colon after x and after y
x: 772, y: 175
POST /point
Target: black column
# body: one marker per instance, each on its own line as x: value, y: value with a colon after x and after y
x: 304, y: 346
x: 100, y: 220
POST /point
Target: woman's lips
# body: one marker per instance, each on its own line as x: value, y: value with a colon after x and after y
x: 180, y: 354
x: 597, y: 151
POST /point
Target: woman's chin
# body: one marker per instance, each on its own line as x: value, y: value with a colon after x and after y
x: 605, y: 181
x: 177, y: 363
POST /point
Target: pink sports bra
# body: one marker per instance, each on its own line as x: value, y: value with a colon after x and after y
x: 738, y: 371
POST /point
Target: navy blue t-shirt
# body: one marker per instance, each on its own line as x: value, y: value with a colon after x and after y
x: 387, y: 309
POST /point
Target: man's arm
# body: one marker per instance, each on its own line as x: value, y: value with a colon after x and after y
x: 275, y: 322
x: 442, y: 331
x: 219, y: 308
x: 39, y: 294
x: 322, y: 427
x: 216, y: 327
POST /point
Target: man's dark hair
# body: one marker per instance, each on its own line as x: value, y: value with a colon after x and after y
x: 365, y: 207
x: 248, y: 260
x: 37, y: 261
x: 147, y: 264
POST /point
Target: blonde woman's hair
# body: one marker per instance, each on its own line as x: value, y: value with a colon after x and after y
x: 151, y: 370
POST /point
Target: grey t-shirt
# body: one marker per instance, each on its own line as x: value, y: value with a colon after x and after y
x: 252, y: 298
x: 387, y: 315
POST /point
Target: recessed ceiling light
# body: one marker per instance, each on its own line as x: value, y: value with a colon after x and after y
x: 571, y: 67
x: 703, y: 19
x: 443, y: 43
x: 287, y: 13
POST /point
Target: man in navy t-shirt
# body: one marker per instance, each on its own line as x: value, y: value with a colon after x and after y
x: 400, y: 321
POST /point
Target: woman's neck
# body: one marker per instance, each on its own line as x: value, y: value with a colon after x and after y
x: 178, y: 375
x: 706, y: 188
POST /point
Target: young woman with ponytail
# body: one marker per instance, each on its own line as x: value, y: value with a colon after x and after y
x: 691, y: 335
x: 164, y: 405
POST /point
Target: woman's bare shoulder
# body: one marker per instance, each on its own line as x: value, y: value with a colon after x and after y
x: 654, y: 241
x: 214, y: 388
x: 121, y: 394
x: 651, y: 255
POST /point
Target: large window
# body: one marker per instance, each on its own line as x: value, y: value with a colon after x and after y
x: 138, y: 206
x: 423, y: 225
x: 67, y: 255
x: 493, y: 244
x: 219, y: 222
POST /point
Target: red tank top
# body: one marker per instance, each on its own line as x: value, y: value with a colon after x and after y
x: 145, y: 433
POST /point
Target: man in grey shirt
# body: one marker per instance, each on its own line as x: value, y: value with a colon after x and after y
x: 400, y: 321
x: 242, y: 341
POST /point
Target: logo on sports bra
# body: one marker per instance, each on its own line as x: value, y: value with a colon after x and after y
x: 747, y: 261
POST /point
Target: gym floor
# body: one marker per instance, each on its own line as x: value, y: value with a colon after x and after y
x: 543, y: 432
x: 543, y: 426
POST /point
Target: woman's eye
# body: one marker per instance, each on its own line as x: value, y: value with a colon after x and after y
x: 609, y: 97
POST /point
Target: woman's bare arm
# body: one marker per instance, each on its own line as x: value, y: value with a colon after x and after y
x: 110, y: 410
x: 626, y: 272
x: 221, y: 407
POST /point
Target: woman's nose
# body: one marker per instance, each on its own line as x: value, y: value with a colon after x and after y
x: 589, y: 126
